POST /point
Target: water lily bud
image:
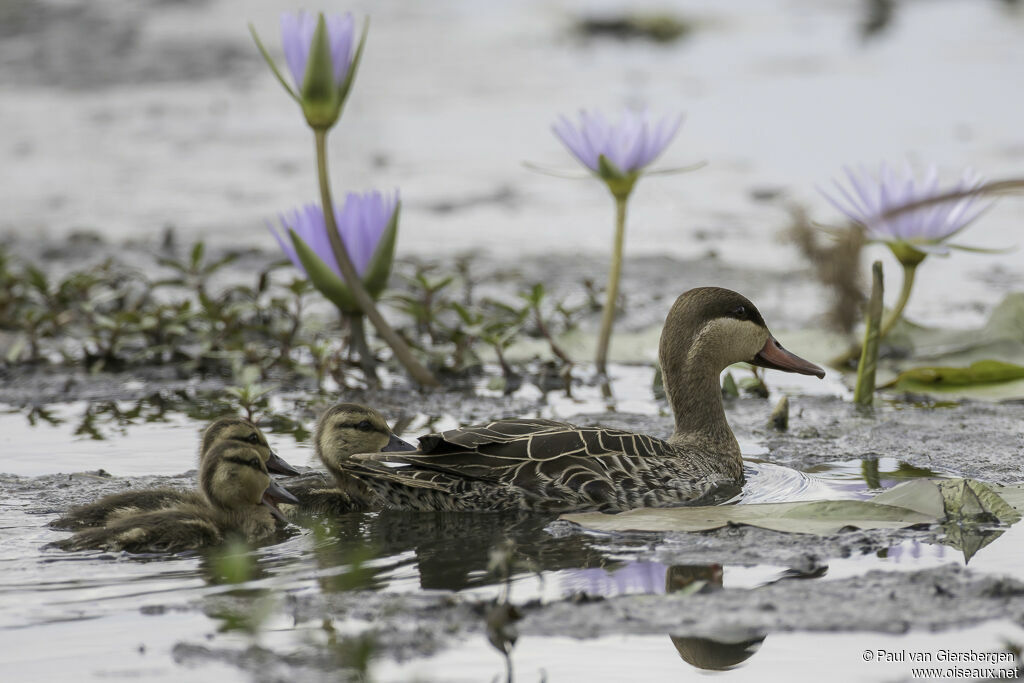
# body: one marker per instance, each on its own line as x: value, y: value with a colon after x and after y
x: 319, y: 52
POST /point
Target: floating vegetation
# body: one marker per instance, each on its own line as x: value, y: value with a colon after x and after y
x: 662, y: 28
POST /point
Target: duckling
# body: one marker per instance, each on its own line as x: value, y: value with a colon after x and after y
x: 549, y: 466
x: 344, y: 429
x: 238, y: 500
x: 224, y: 430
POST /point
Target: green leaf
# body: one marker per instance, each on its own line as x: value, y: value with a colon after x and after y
x: 323, y: 278
x: 920, y: 496
x: 815, y: 517
x: 346, y: 85
x: 980, y: 372
x: 320, y: 94
x: 729, y: 387
x: 537, y: 293
x: 607, y: 170
x: 678, y: 169
x: 967, y: 499
x: 37, y: 279
x: 270, y: 62
x: 981, y: 250
x: 196, y: 257
x: 1014, y: 495
x: 958, y: 503
x: 220, y: 263
x: 375, y: 279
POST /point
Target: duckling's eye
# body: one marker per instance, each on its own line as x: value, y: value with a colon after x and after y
x: 253, y: 438
x: 740, y: 312
x: 364, y: 426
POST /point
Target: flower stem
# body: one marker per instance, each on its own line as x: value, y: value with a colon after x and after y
x: 908, y: 284
x: 909, y: 270
x: 612, y: 293
x: 864, y: 392
x: 357, y: 339
x: 348, y: 272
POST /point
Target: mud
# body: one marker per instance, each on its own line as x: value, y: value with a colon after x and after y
x: 969, y: 439
x: 406, y: 627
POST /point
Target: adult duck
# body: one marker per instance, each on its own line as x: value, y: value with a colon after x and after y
x: 554, y: 466
x: 238, y: 501
x: 224, y: 430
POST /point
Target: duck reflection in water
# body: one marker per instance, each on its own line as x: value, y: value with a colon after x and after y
x: 449, y: 550
x: 722, y: 652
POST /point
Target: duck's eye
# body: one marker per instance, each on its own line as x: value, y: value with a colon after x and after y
x: 364, y: 426
x: 253, y: 438
x: 739, y: 312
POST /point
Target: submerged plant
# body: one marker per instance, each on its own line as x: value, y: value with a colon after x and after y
x: 617, y: 153
x: 875, y: 202
x: 319, y: 52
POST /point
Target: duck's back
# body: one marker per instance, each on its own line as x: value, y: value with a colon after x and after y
x: 539, y: 465
x: 185, y: 527
x: 119, y: 505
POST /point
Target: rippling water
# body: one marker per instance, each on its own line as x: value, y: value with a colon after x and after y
x: 127, y: 615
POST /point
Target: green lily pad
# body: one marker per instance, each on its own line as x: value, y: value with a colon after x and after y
x: 816, y: 517
x: 1014, y: 495
x: 957, y: 502
x: 980, y: 372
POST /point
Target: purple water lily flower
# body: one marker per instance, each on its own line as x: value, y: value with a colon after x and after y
x: 629, y: 144
x: 361, y: 220
x: 868, y: 198
x: 297, y: 37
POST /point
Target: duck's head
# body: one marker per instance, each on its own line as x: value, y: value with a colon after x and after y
x: 713, y: 328
x: 234, y: 476
x: 241, y: 431
x: 349, y: 428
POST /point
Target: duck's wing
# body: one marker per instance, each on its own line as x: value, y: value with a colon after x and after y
x: 526, y: 453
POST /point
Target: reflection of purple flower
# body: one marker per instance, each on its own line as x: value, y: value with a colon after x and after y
x: 297, y: 36
x: 914, y: 550
x: 868, y: 198
x: 361, y: 222
x: 630, y: 144
x: 635, y: 577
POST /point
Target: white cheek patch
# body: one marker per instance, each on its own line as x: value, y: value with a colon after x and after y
x: 728, y: 341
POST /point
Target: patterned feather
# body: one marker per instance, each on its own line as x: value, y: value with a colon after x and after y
x: 538, y: 465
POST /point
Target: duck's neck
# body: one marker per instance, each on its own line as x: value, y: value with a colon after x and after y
x: 693, y: 391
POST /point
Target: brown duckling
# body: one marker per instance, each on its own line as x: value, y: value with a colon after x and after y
x: 238, y: 500
x: 224, y: 430
x: 342, y: 430
x: 549, y: 466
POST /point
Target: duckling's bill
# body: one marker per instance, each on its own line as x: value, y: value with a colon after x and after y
x: 773, y: 356
x: 277, y: 465
x: 276, y: 493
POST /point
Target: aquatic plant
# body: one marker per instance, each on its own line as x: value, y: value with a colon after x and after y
x: 874, y: 203
x: 617, y: 153
x: 319, y: 51
x: 368, y: 226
